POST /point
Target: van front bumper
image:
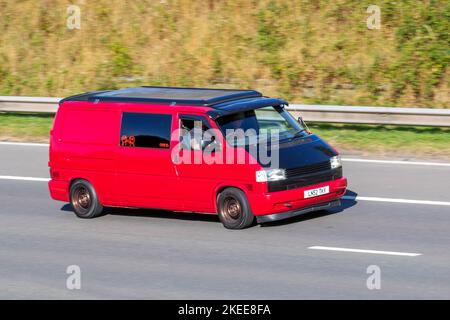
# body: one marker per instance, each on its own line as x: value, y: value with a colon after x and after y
x: 294, y: 213
x: 292, y: 202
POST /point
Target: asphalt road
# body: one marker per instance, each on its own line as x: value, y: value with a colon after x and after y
x: 146, y: 254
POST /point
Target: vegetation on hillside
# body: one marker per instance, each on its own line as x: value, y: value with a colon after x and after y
x: 306, y: 51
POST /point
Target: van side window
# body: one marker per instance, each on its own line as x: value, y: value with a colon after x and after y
x: 192, y: 133
x: 145, y: 130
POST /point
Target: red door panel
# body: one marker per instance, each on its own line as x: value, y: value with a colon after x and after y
x: 146, y: 176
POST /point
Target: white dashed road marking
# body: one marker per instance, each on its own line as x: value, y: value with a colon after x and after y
x: 392, y: 253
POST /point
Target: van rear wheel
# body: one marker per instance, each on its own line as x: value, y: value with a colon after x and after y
x: 84, y: 200
x: 234, y: 210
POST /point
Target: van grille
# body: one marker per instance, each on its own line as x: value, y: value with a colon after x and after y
x: 316, y: 174
x: 309, y: 169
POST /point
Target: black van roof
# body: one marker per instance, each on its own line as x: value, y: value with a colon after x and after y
x: 168, y: 95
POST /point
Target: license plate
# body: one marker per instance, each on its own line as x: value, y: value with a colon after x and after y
x: 316, y: 192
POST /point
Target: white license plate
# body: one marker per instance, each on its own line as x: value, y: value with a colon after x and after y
x: 316, y: 192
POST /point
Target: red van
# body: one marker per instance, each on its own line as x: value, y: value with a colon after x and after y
x: 170, y: 148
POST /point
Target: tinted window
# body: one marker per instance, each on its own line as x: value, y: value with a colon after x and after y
x: 265, y: 122
x: 192, y: 133
x: 145, y: 130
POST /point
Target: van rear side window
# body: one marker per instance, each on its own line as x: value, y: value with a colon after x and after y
x: 145, y: 130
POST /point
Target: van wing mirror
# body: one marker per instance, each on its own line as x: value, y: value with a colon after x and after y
x: 303, y: 124
x: 301, y: 121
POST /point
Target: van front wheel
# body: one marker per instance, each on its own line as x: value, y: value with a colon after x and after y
x: 84, y: 200
x: 234, y: 210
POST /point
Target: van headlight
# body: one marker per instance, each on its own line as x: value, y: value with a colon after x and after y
x: 335, y: 162
x: 270, y: 175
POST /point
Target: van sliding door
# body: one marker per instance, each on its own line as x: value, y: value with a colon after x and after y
x: 146, y: 175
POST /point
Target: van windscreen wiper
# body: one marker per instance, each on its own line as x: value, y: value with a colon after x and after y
x: 297, y: 133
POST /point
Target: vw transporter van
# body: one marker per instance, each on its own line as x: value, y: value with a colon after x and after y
x: 175, y: 149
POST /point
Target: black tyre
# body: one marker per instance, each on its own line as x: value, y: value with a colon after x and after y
x: 84, y: 200
x: 234, y: 210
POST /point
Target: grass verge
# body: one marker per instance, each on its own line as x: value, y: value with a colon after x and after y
x: 25, y: 127
x: 383, y: 140
x: 373, y: 140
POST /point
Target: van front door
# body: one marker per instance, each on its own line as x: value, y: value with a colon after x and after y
x: 146, y: 175
x: 198, y: 168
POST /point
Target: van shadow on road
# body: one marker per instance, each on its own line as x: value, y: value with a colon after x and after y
x: 153, y: 213
x: 345, y: 204
x: 189, y: 216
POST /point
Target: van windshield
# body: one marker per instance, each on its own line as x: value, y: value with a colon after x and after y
x: 268, y: 123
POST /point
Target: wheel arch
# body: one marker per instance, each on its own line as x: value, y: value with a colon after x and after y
x: 224, y: 186
x: 72, y: 181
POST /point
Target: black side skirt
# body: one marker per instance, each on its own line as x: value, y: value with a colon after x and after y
x: 293, y: 213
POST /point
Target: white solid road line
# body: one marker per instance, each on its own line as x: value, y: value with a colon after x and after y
x: 402, y: 162
x: 392, y: 253
x: 25, y: 144
x: 24, y: 178
x: 377, y: 199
